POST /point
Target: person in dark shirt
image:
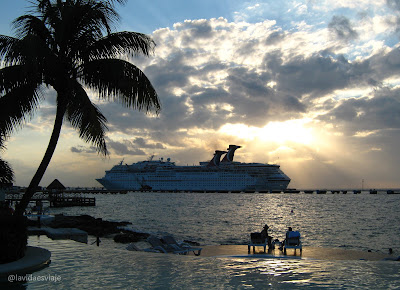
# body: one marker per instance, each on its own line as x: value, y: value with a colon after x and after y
x: 265, y: 236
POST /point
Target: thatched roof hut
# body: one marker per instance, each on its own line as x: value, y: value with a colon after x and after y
x: 55, y: 186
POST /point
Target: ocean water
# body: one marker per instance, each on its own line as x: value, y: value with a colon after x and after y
x: 352, y: 221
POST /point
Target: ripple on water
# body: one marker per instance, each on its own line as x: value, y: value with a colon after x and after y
x: 360, y: 222
x: 84, y: 266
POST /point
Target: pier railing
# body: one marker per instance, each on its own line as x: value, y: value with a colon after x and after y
x: 55, y: 199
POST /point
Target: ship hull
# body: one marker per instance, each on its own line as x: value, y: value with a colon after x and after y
x: 197, y: 178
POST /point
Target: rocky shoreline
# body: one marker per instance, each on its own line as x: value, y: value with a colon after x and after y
x: 96, y: 227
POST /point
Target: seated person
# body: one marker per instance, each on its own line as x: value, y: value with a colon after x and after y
x: 292, y: 237
x: 265, y: 236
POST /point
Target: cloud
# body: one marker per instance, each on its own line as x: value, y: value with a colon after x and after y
x: 124, y: 148
x: 341, y: 28
x: 212, y: 72
x: 142, y: 143
x: 83, y: 149
x: 135, y: 147
x: 258, y: 70
x: 378, y: 113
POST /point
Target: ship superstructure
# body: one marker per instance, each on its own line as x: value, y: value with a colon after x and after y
x: 216, y: 175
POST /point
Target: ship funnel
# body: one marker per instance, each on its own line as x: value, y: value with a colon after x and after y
x: 231, y: 152
x: 216, y: 159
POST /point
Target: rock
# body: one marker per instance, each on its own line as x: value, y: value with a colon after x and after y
x: 91, y: 225
x: 131, y: 237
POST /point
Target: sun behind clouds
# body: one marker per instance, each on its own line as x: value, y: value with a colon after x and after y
x: 294, y: 131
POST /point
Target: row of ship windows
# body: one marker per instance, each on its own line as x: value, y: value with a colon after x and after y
x: 195, y: 175
x: 132, y: 184
x: 114, y: 176
x: 217, y: 181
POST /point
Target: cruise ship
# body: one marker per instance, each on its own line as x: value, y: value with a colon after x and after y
x: 215, y: 175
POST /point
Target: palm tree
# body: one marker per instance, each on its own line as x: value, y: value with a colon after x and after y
x: 6, y: 172
x: 69, y: 46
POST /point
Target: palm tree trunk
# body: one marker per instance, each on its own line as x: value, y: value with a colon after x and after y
x: 21, y: 207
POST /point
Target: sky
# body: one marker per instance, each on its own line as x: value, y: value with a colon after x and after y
x: 311, y: 85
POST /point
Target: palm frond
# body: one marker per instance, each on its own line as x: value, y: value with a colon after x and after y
x: 18, y: 106
x: 12, y: 77
x: 87, y: 118
x: 120, y: 43
x: 122, y: 2
x: 30, y: 50
x: 80, y: 16
x: 3, y: 137
x: 6, y: 172
x: 30, y: 24
x: 7, y: 43
x: 119, y: 80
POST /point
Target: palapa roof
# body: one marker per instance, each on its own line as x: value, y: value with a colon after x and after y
x: 56, y: 184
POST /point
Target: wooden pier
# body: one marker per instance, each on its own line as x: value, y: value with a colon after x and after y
x: 60, y: 201
x: 95, y: 191
x: 55, y: 200
x: 78, y: 196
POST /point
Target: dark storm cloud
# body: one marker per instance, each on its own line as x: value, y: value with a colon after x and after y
x: 395, y: 4
x: 341, y: 28
x: 194, y: 30
x: 248, y: 47
x: 143, y: 143
x: 379, y: 113
x: 385, y: 65
x: 136, y: 146
x: 275, y: 38
x: 83, y: 149
x: 170, y: 73
x: 124, y: 148
x: 174, y: 138
x: 254, y: 101
x: 316, y: 75
x: 244, y: 90
x: 323, y: 73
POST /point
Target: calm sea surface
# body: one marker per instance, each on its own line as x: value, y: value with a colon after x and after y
x: 348, y: 221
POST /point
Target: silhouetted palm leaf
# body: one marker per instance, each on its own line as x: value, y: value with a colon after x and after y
x: 6, y: 172
x: 119, y: 80
x: 86, y: 117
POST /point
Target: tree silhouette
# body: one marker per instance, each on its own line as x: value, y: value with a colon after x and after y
x: 69, y: 46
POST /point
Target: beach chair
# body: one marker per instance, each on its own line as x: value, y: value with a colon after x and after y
x: 158, y: 245
x: 169, y: 240
x: 292, y: 241
x: 256, y: 241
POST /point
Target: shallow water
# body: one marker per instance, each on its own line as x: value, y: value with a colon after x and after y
x: 359, y: 222
x: 84, y: 266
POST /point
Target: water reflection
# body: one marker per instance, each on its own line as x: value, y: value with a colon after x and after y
x: 351, y: 221
x: 361, y: 221
x: 83, y: 266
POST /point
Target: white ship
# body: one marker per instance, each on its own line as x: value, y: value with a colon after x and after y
x: 216, y: 175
